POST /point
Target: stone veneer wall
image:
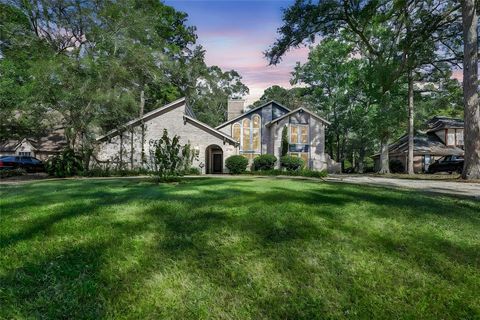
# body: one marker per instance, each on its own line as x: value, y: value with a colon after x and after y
x: 175, y: 124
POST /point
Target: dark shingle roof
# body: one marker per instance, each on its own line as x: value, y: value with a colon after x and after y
x: 424, y: 143
x: 440, y: 122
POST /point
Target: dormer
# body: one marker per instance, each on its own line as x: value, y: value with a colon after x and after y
x: 449, y: 130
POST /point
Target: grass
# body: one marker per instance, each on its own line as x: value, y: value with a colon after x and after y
x: 244, y: 248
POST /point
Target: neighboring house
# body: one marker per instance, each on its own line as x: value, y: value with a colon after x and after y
x: 443, y: 137
x: 251, y: 133
x: 41, y: 148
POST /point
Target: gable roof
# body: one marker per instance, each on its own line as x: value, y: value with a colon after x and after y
x: 252, y: 110
x: 210, y: 129
x: 147, y: 116
x: 441, y: 122
x: 52, y: 142
x: 188, y: 116
x: 295, y: 111
x: 423, y: 143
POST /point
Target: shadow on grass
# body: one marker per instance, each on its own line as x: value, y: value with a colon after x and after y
x: 239, y: 239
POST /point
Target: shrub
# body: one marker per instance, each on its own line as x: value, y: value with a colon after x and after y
x: 264, y: 162
x: 285, y: 143
x: 66, y: 164
x: 291, y: 163
x: 396, y: 166
x: 171, y: 158
x: 236, y: 164
x: 12, y: 173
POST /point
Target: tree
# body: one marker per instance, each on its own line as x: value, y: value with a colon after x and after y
x: 285, y: 143
x: 471, y: 169
x: 377, y: 30
x: 93, y: 65
x: 291, y: 98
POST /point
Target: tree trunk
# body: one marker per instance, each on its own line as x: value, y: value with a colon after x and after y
x: 471, y: 168
x: 384, y: 161
x: 361, y: 159
x: 410, y: 124
x: 142, y: 107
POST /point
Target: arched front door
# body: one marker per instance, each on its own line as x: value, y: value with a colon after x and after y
x: 214, y: 159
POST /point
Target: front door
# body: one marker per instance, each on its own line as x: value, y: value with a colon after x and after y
x: 217, y: 163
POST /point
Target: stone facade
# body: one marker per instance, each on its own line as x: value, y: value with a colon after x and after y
x: 116, y: 149
x: 131, y: 147
x: 275, y: 117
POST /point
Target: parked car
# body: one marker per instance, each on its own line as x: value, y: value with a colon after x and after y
x: 447, y: 164
x: 30, y: 164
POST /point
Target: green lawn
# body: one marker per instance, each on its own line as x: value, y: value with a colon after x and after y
x: 247, y: 248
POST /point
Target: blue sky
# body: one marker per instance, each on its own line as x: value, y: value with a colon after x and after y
x: 235, y: 34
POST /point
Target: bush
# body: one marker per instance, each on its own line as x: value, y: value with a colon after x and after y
x: 65, y: 164
x: 291, y: 163
x: 236, y: 164
x: 12, y: 173
x: 396, y: 166
x: 264, y: 162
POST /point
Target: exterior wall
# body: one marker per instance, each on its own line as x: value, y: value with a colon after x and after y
x: 276, y: 138
x: 267, y: 114
x: 25, y: 146
x: 317, y: 144
x: 198, y: 137
x: 317, y: 159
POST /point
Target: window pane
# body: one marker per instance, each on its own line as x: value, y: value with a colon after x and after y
x: 256, y: 139
x: 304, y: 135
x: 256, y: 121
x: 236, y: 132
x: 247, y: 144
x: 293, y: 134
x: 304, y: 156
x: 450, y: 137
x: 460, y: 137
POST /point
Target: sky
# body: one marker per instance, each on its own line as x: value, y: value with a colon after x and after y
x: 236, y: 33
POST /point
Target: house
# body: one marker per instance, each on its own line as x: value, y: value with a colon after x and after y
x: 259, y: 131
x: 444, y: 136
x: 248, y: 133
x: 41, y: 148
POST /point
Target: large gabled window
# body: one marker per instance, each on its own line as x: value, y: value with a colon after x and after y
x: 248, y: 133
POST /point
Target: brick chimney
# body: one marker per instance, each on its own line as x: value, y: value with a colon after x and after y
x: 234, y: 108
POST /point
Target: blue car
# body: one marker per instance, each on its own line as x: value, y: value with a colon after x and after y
x: 29, y: 164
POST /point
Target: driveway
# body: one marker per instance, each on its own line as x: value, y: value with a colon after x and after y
x: 465, y: 189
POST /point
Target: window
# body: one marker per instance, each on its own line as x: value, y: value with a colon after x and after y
x: 293, y: 134
x: 250, y: 134
x: 256, y: 133
x: 299, y: 134
x: 246, y: 142
x: 450, y: 137
x: 299, y: 142
x: 304, y: 134
x: 303, y: 155
x: 25, y: 154
x: 459, y: 137
x: 236, y: 132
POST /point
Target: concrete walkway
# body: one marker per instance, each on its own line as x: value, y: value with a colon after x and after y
x: 465, y: 189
